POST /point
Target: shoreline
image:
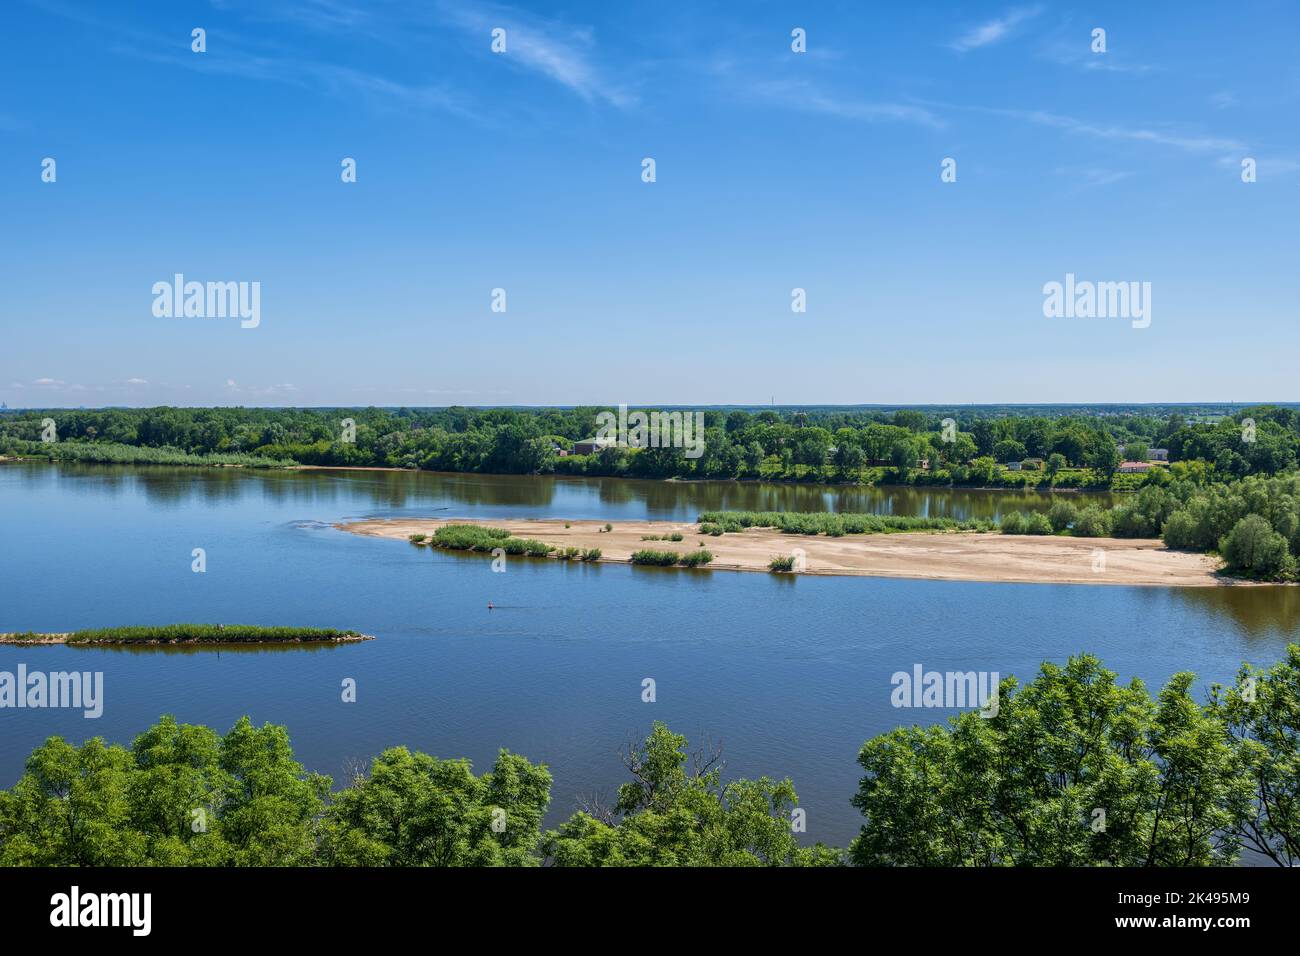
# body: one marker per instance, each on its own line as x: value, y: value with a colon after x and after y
x: 937, y: 556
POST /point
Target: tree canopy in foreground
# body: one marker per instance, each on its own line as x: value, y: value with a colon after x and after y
x: 1073, y: 770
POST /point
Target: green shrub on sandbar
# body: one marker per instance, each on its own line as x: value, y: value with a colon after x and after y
x: 835, y: 525
x: 1019, y: 522
x: 661, y: 558
x: 781, y: 562
x: 690, y: 559
x: 473, y: 537
x: 468, y: 537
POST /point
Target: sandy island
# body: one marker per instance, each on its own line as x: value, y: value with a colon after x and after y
x: 952, y: 556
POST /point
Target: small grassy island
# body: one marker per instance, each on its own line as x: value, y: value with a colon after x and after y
x: 194, y: 634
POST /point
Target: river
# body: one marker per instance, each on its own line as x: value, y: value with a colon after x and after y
x: 790, y: 675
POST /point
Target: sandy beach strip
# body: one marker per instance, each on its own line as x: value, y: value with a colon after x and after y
x: 952, y: 556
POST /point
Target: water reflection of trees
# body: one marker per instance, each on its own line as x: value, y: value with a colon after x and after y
x: 1264, y: 611
x: 670, y: 498
x: 165, y: 486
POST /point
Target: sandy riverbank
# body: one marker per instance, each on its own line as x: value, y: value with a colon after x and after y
x: 945, y: 557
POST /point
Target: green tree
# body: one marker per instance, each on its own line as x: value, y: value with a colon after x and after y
x: 1062, y: 514
x: 181, y: 795
x: 1009, y: 450
x: 674, y: 815
x: 902, y: 455
x: 982, y: 470
x: 1024, y: 787
x: 1261, y: 717
x: 1253, y: 547
x: 416, y: 810
x: 849, y: 459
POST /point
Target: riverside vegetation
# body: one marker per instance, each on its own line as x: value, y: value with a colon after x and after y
x: 1253, y: 524
x: 996, y: 446
x: 472, y: 537
x: 1181, y: 783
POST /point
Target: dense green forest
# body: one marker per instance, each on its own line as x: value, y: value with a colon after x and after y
x: 1073, y: 769
x: 1066, y: 446
x: 1252, y: 524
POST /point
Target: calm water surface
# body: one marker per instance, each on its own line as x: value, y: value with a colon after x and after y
x: 790, y: 674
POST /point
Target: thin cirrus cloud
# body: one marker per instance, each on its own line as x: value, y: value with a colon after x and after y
x: 562, y: 53
x: 1187, y: 142
x: 1079, y: 55
x: 559, y: 52
x: 807, y: 97
x: 1156, y: 136
x: 994, y: 31
x: 1088, y: 177
x: 261, y: 390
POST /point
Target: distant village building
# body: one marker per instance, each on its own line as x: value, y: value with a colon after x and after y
x: 590, y: 446
x: 1153, y: 454
x: 1014, y: 466
x: 1134, y: 467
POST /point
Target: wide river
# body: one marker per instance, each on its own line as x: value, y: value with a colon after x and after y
x: 789, y: 674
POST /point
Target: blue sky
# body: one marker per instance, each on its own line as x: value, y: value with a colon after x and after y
x: 522, y: 171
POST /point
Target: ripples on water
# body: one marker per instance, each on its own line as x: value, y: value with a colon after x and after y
x: 791, y: 674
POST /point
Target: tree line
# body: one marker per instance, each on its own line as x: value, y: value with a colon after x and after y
x: 1077, y: 446
x: 1253, y: 523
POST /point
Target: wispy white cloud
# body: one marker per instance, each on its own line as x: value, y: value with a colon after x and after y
x: 560, y: 52
x: 808, y: 97
x: 1265, y: 166
x: 260, y: 391
x: 255, y: 58
x: 1078, y: 55
x: 1188, y: 142
x: 994, y: 31
x: 1086, y: 177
